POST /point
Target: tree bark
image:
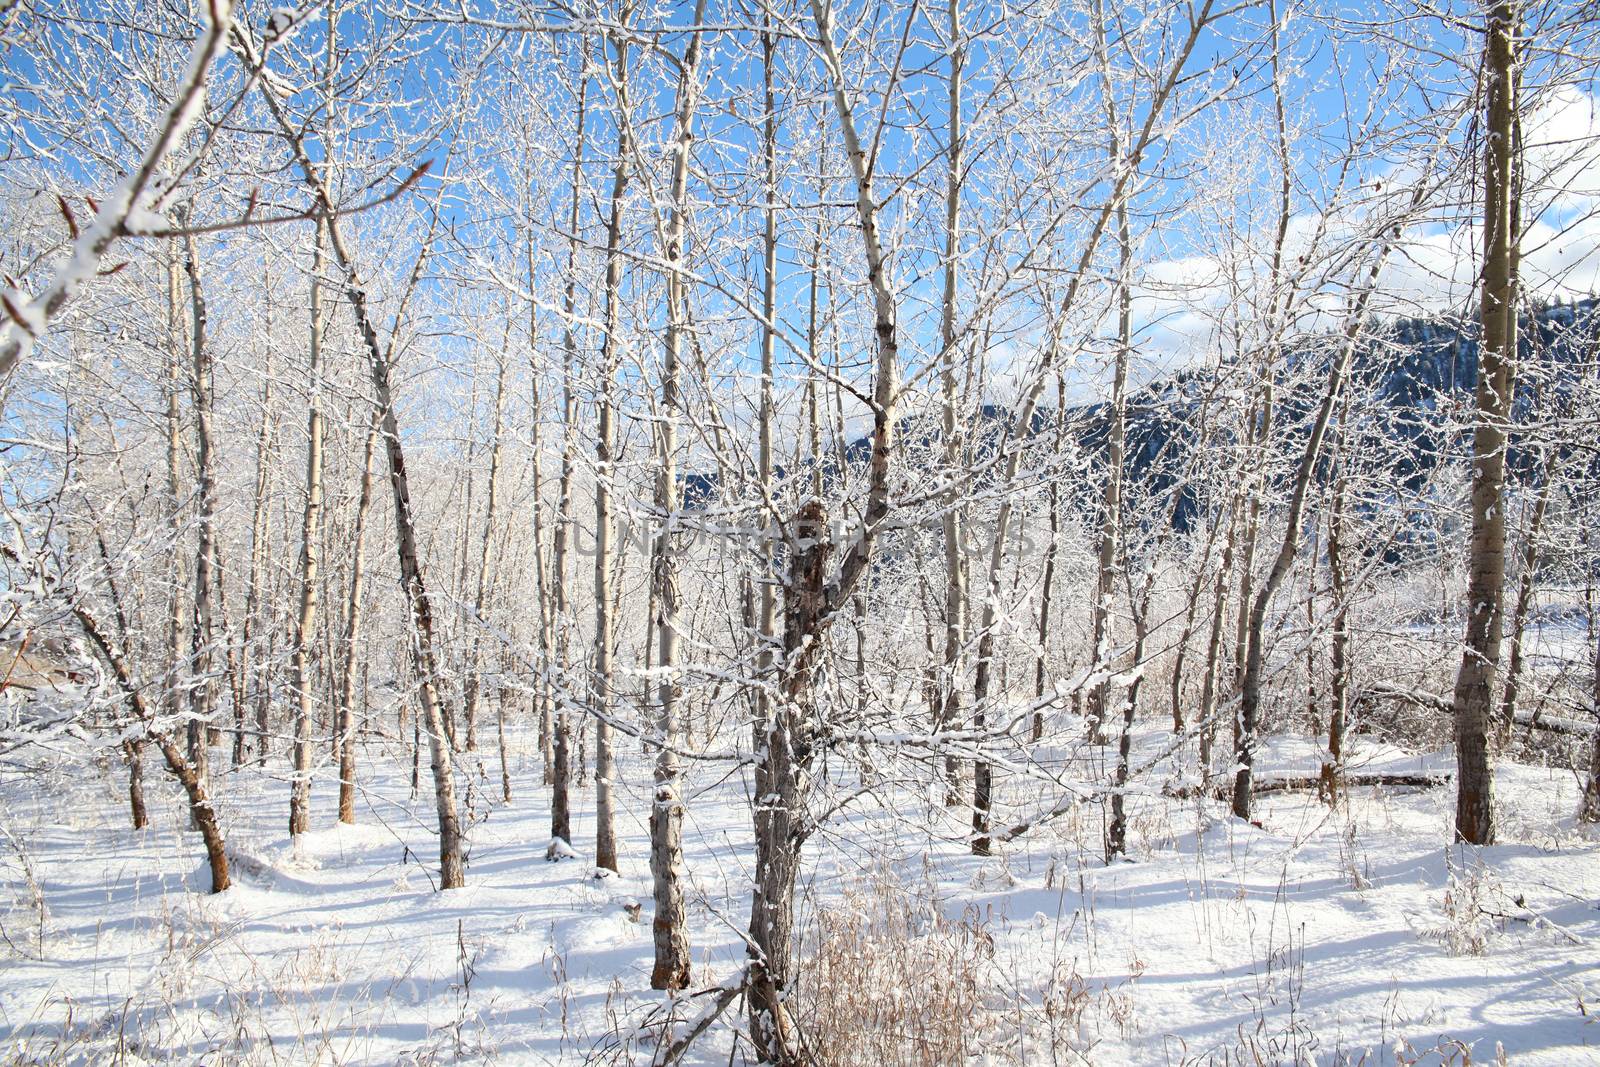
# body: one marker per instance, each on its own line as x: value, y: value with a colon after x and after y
x: 480, y: 597
x: 1339, y: 664
x: 1473, y: 703
x: 352, y: 633
x: 605, y: 844
x: 1139, y: 606
x: 178, y: 659
x: 260, y: 525
x: 670, y: 925
x: 310, y: 558
x: 561, y: 754
x: 201, y: 810
x: 1524, y: 603
x: 1110, y: 549
x: 202, y: 687
x: 955, y: 580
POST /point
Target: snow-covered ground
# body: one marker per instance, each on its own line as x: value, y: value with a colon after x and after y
x: 1355, y: 935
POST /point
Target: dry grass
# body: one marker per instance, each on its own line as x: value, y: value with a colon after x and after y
x: 889, y: 981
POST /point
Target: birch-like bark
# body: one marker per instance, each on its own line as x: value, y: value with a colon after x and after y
x: 561, y: 788
x: 1524, y: 602
x: 480, y: 595
x: 1139, y: 606
x: 1250, y: 683
x: 178, y: 657
x: 258, y: 556
x: 767, y: 618
x: 1219, y: 612
x: 133, y: 748
x: 202, y: 812
x: 955, y: 581
x: 202, y: 691
x: 352, y: 633
x: 670, y: 925
x: 1339, y: 590
x: 1110, y: 549
x: 605, y: 838
x: 260, y: 538
x: 811, y: 601
x: 452, y: 873
x: 310, y: 559
x: 541, y: 581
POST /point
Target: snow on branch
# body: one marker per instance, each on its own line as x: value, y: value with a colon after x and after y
x: 116, y: 216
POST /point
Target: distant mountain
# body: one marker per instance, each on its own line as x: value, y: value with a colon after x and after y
x: 1413, y: 380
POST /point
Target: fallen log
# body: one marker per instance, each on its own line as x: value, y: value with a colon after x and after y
x: 1223, y: 790
x: 1532, y: 720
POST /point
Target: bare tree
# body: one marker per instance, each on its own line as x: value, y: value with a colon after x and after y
x: 671, y: 970
x: 1486, y: 569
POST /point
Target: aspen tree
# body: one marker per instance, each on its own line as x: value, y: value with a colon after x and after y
x: 605, y: 847
x: 1497, y: 350
x: 669, y: 927
x: 310, y: 558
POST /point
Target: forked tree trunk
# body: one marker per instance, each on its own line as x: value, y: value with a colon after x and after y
x: 780, y: 827
x: 810, y: 603
x: 1473, y: 703
x: 452, y: 873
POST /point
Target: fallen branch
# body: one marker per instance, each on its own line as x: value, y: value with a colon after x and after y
x: 1532, y: 720
x: 1420, y: 698
x: 1307, y: 783
x: 671, y: 1052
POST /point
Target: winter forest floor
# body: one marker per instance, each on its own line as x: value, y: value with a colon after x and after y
x: 1351, y: 936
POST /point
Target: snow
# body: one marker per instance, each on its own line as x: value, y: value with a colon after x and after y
x: 1325, y: 934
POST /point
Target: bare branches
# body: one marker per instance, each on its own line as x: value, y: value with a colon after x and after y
x: 123, y: 210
